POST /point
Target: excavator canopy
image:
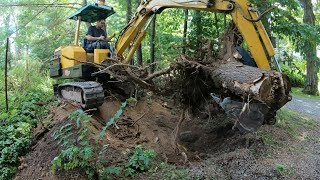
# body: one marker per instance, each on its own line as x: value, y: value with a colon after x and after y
x: 92, y: 13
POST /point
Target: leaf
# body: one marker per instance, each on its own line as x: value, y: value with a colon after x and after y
x: 78, y: 122
x: 112, y: 120
x: 131, y: 99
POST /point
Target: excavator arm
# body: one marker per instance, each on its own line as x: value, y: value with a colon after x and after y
x: 243, y: 15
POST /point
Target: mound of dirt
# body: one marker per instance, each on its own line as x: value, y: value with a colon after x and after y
x: 201, y: 139
x: 149, y: 122
x: 37, y: 164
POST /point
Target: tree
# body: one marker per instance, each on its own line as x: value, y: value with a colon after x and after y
x: 310, y: 51
x: 152, y: 40
x: 139, y: 49
x: 185, y: 29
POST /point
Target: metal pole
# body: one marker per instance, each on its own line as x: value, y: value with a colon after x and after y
x: 6, y: 75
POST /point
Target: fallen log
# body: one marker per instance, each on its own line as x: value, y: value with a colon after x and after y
x: 268, y: 87
x: 250, y: 95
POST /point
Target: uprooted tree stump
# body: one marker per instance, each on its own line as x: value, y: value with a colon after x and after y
x: 194, y: 80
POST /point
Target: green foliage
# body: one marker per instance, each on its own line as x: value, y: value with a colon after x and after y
x: 168, y: 172
x: 292, y: 122
x: 139, y: 161
x: 284, y: 170
x: 76, y: 149
x: 109, y: 171
x: 269, y: 139
x: 22, y: 116
x: 296, y: 79
x: 299, y: 92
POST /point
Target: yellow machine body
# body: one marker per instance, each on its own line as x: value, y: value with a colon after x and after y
x: 72, y: 55
x: 100, y: 55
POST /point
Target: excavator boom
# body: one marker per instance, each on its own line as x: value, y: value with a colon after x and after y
x: 243, y: 15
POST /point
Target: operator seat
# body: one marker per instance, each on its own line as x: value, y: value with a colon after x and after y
x: 85, y: 42
x: 85, y: 45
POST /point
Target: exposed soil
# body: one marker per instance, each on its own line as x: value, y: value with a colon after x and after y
x: 206, y: 145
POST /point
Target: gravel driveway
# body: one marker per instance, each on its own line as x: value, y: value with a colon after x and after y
x: 305, y: 106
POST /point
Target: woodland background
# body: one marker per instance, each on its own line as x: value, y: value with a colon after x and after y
x: 35, y: 28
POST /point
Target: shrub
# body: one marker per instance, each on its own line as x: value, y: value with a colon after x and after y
x: 22, y: 116
x: 139, y: 161
x: 296, y: 79
x: 76, y: 149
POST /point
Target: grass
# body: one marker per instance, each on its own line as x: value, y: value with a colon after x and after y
x: 292, y: 122
x: 269, y: 140
x: 167, y: 172
x: 284, y: 170
x: 288, y: 117
x: 298, y: 92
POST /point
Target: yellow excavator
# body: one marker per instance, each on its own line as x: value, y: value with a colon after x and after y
x: 74, y: 62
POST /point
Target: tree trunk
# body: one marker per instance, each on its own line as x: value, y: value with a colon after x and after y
x: 266, y: 19
x: 152, y: 44
x: 310, y: 51
x: 269, y: 87
x: 185, y: 29
x: 139, y: 49
x: 7, y: 20
x: 198, y: 28
x: 216, y: 24
x: 129, y: 10
x: 129, y: 16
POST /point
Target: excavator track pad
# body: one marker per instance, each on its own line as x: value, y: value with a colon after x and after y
x: 88, y: 94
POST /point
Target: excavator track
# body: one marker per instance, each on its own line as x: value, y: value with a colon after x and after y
x: 88, y: 94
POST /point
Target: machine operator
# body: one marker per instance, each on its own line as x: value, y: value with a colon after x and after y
x: 97, y: 37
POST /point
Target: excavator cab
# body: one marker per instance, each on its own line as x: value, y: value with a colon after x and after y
x: 72, y: 61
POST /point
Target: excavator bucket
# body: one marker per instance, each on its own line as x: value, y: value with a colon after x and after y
x: 92, y: 13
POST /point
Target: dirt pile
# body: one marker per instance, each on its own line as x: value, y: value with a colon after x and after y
x: 206, y: 145
x: 150, y: 122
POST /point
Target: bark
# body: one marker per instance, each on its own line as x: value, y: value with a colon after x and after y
x: 7, y: 25
x: 152, y: 44
x: 139, y: 49
x: 129, y: 10
x: 139, y: 55
x: 198, y: 25
x: 129, y: 16
x: 6, y: 74
x: 185, y: 28
x: 310, y: 51
x: 235, y: 79
x: 216, y: 24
